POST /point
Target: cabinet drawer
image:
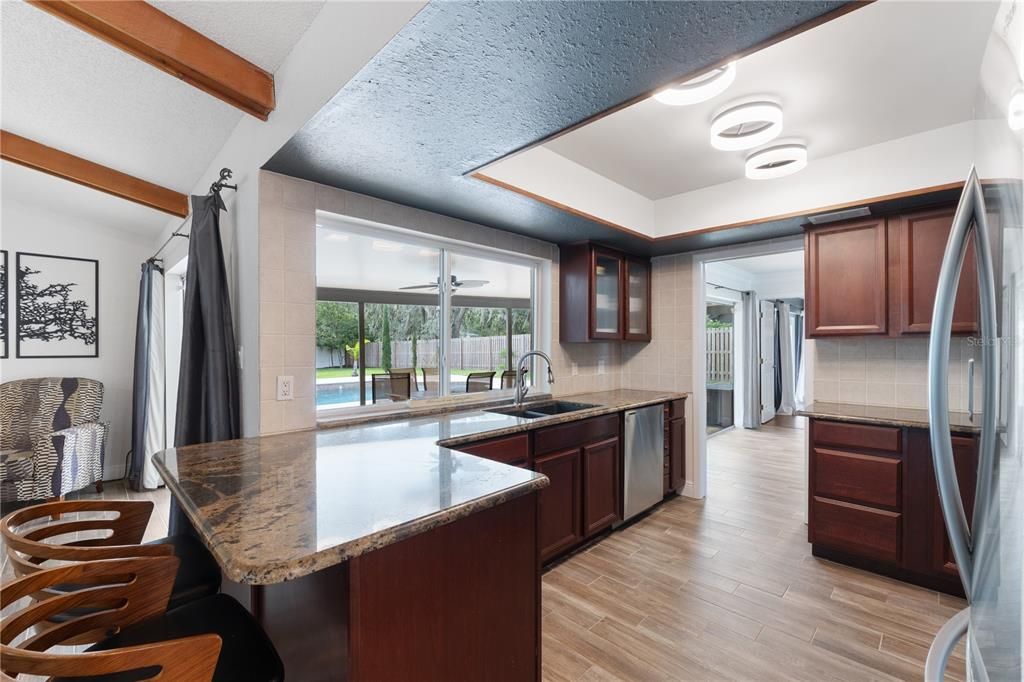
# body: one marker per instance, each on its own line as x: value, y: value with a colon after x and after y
x: 855, y: 529
x: 575, y: 434
x: 868, y: 479
x: 677, y: 408
x: 856, y: 436
x: 510, y: 450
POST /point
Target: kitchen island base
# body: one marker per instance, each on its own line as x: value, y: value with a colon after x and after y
x: 458, y: 602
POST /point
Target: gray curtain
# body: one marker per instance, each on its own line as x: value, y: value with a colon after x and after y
x: 208, y: 406
x: 208, y: 403
x: 148, y: 427
x: 751, y: 362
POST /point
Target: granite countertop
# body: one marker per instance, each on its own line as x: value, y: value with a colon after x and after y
x: 274, y: 508
x: 886, y: 416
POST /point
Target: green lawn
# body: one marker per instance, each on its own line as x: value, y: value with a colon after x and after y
x: 342, y: 372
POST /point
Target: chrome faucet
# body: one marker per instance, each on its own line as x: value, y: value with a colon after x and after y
x: 521, y: 388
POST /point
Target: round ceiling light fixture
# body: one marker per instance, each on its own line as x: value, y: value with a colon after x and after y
x: 699, y: 89
x: 776, y: 162
x: 746, y: 126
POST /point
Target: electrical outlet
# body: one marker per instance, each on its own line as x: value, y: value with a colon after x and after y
x: 575, y: 369
x: 285, y: 388
x: 601, y: 366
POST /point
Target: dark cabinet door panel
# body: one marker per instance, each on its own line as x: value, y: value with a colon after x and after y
x: 856, y: 529
x: 676, y: 453
x: 559, y: 525
x: 965, y: 460
x: 846, y: 279
x: 856, y: 436
x: 575, y: 434
x: 922, y: 244
x: 510, y: 450
x: 601, y: 485
x: 855, y: 477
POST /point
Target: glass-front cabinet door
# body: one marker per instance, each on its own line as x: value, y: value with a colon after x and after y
x: 638, y: 300
x: 606, y: 304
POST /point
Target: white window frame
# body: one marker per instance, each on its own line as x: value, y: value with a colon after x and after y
x: 540, y: 310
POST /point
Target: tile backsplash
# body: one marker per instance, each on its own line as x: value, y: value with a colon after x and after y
x: 890, y: 372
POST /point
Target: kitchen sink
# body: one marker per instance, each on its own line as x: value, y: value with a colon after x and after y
x: 543, y: 410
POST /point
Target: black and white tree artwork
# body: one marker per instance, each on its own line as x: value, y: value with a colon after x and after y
x: 3, y: 303
x: 57, y: 306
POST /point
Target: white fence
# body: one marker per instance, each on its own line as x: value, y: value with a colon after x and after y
x: 719, y: 350
x: 477, y: 352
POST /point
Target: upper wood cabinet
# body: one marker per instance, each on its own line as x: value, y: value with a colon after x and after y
x: 637, y: 300
x: 921, y: 242
x: 880, y: 275
x: 845, y: 279
x: 604, y: 295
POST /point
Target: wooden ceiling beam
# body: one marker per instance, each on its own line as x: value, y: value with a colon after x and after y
x: 145, y: 32
x: 25, y: 152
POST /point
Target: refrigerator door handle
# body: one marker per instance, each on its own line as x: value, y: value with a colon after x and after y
x: 942, y: 646
x: 970, y: 388
x: 970, y: 217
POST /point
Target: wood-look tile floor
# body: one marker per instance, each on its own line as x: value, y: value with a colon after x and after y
x: 726, y: 588
x: 723, y: 588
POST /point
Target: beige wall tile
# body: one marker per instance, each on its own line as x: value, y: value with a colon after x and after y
x: 299, y: 350
x: 272, y: 318
x: 299, y: 318
x: 271, y: 350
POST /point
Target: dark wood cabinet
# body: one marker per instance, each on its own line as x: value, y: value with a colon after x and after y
x: 879, y: 275
x: 676, y: 453
x: 637, y: 300
x: 559, y: 526
x: 921, y: 241
x: 873, y: 502
x: 846, y: 279
x: 601, y: 485
x: 927, y: 539
x: 514, y: 450
x: 603, y: 295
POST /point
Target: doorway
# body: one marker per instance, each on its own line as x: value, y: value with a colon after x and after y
x: 719, y: 333
x: 754, y: 293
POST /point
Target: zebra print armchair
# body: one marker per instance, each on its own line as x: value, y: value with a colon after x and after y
x: 51, y: 439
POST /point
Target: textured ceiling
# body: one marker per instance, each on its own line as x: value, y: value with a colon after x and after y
x: 465, y: 83
x: 70, y: 90
x: 862, y: 87
x: 76, y: 203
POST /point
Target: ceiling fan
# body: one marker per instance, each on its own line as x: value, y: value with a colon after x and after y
x: 456, y: 284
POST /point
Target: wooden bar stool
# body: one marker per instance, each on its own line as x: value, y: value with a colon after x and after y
x: 211, y: 639
x: 31, y: 546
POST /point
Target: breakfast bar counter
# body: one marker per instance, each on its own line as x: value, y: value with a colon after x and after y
x: 365, y: 552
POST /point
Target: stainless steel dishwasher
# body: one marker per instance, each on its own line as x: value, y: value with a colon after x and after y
x: 644, y: 449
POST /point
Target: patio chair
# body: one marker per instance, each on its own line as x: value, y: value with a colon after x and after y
x: 431, y: 380
x: 411, y: 371
x: 394, y: 387
x: 479, y: 381
x: 508, y: 378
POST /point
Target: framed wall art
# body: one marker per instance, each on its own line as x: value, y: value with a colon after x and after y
x: 57, y: 306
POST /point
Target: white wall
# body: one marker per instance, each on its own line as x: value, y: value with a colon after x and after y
x: 927, y: 159
x: 33, y: 228
x: 546, y: 173
x: 340, y: 41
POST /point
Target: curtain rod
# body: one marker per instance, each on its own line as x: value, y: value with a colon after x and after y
x: 722, y: 286
x: 215, y: 188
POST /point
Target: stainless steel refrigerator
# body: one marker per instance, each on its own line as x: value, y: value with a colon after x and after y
x: 989, y: 547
